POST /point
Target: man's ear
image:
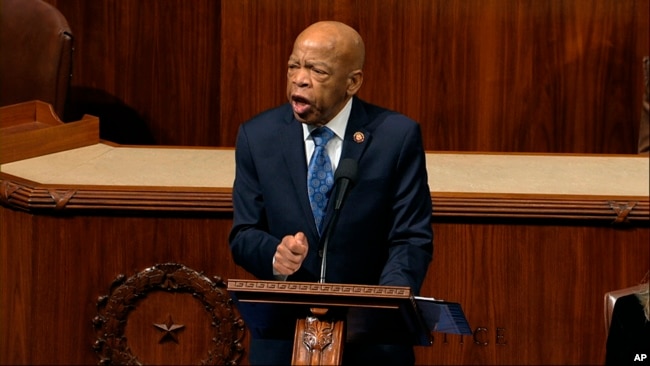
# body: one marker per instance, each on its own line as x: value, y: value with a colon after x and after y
x: 355, y: 79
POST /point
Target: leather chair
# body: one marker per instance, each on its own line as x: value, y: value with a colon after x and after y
x: 36, y: 48
x: 610, y: 301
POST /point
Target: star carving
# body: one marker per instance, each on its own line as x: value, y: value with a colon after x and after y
x: 169, y: 330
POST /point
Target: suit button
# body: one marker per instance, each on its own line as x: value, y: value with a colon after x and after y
x: 320, y: 253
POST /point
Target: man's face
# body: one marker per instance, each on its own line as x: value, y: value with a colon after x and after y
x: 317, y: 80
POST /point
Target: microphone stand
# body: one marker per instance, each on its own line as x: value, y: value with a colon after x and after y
x: 345, y: 177
x: 328, y: 232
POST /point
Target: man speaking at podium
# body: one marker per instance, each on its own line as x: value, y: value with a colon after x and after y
x: 287, y: 184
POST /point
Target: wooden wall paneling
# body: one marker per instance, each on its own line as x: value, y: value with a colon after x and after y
x: 561, y: 76
x: 149, y: 69
x: 494, y: 75
x: 16, y: 293
x: 502, y: 75
x: 56, y: 267
x: 532, y: 293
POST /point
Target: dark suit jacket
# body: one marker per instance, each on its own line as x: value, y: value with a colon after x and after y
x: 383, y: 235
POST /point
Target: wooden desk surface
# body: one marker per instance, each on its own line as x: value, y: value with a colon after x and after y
x: 472, y: 173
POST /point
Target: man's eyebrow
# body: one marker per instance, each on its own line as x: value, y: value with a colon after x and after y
x: 310, y: 62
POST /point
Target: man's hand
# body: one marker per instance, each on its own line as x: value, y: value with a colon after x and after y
x: 290, y: 253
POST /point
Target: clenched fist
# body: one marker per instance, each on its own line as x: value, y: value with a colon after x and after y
x: 290, y: 253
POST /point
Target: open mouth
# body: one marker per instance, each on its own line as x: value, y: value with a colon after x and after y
x: 301, y: 105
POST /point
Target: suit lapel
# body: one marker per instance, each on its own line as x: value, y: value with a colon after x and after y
x: 357, y: 137
x: 293, y: 148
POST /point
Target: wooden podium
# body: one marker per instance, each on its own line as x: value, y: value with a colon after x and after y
x: 320, y: 337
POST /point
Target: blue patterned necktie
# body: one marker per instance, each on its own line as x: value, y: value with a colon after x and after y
x: 320, y: 177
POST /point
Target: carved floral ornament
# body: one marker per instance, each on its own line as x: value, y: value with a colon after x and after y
x: 113, y: 311
x: 318, y: 334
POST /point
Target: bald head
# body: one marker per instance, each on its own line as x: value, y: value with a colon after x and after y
x: 342, y: 39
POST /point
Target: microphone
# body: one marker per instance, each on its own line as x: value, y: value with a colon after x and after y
x: 344, y: 179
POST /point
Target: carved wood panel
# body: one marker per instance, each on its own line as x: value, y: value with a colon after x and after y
x: 175, y: 336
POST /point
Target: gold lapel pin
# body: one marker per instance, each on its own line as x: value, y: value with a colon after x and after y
x: 358, y: 137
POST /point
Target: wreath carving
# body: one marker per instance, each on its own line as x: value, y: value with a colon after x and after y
x: 113, y: 310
